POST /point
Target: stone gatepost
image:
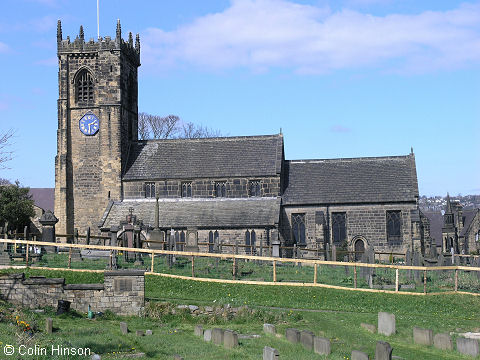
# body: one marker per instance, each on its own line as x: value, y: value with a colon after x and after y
x: 48, y: 221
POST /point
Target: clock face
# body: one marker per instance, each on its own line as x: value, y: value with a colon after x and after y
x: 89, y: 124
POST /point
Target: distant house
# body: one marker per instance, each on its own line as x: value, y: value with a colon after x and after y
x: 44, y: 199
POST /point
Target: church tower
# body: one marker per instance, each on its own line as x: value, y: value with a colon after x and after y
x: 97, y: 121
x: 449, y: 231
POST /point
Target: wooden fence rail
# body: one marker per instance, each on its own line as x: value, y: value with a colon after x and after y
x: 235, y: 257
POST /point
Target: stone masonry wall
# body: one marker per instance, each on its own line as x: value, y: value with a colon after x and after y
x: 367, y: 222
x: 202, y: 188
x: 122, y: 292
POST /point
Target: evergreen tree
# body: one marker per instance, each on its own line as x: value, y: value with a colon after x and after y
x: 16, y: 206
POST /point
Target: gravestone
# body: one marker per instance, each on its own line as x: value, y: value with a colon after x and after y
x: 383, y: 351
x: 270, y: 353
x: 96, y: 357
x: 148, y: 332
x: 358, y: 355
x: 422, y: 336
x: 48, y: 326
x: 386, y: 323
x: 321, y: 345
x: 230, y: 339
x: 306, y: 339
x: 217, y: 336
x: 269, y: 329
x: 198, y: 330
x: 334, y: 253
x: 139, y: 333
x: 416, y: 262
x: 408, y: 262
x: 275, y: 248
x: 443, y: 342
x: 207, y: 335
x: 468, y: 346
x: 48, y: 221
x: 292, y: 335
x: 124, y: 328
x: 369, y: 327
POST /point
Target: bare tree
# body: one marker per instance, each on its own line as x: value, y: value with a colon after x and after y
x: 5, y: 155
x: 170, y: 127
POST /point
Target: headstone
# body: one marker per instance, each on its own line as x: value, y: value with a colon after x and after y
x: 321, y: 346
x: 358, y: 355
x: 422, y: 336
x: 270, y: 353
x: 386, y: 323
x: 306, y: 338
x: 177, y: 357
x: 96, y: 357
x: 48, y: 326
x: 275, y: 248
x: 148, y: 333
x: 443, y: 341
x: 369, y: 327
x: 468, y: 346
x: 383, y: 351
x: 198, y: 330
x: 217, y: 336
x: 230, y: 339
x: 124, y: 328
x: 334, y: 253
x: 292, y: 335
x: 207, y: 335
x: 269, y: 329
x: 327, y: 252
x: 139, y: 333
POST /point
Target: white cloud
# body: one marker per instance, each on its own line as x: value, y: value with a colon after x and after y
x: 264, y: 34
x: 3, y: 47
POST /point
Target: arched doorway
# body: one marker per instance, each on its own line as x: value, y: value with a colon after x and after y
x: 359, y: 249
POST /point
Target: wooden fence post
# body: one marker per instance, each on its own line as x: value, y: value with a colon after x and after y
x: 26, y: 256
x: 355, y: 276
x: 193, y: 266
x: 396, y: 280
x: 153, y: 258
x: 274, y: 271
x: 424, y: 281
x: 315, y: 274
x: 70, y: 258
x: 456, y: 280
x: 234, y: 269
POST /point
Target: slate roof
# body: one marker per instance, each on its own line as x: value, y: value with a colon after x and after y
x: 204, y: 158
x: 468, y: 216
x: 436, y: 223
x: 201, y: 213
x: 346, y: 181
x: 43, y: 197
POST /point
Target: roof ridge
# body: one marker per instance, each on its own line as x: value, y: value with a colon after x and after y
x: 218, y: 138
x: 350, y: 159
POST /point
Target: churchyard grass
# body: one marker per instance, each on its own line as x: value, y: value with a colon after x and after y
x: 335, y: 314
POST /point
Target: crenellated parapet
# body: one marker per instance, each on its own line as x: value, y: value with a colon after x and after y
x: 80, y: 46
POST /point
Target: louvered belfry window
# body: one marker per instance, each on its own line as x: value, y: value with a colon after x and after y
x: 85, y: 87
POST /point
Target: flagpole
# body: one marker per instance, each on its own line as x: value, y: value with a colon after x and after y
x: 98, y: 19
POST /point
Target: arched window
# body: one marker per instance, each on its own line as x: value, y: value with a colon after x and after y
x: 84, y: 87
x: 253, y: 239
x: 182, y: 240
x: 210, y: 242
x: 247, y: 242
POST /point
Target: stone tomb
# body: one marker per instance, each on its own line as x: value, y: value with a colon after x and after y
x: 443, y: 342
x: 422, y: 336
x: 386, y: 323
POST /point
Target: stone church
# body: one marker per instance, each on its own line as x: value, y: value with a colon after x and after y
x: 234, y: 189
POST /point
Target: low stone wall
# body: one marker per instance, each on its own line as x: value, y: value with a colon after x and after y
x: 123, y: 292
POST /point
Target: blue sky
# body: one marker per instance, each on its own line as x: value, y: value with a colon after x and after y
x: 341, y: 78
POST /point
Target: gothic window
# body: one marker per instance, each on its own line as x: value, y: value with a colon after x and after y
x: 253, y: 239
x: 149, y: 189
x: 220, y: 189
x: 210, y: 242
x: 216, y: 237
x: 394, y: 224
x: 254, y: 188
x: 298, y: 229
x: 187, y: 189
x: 182, y: 240
x: 247, y: 242
x: 84, y: 87
x: 339, y: 229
